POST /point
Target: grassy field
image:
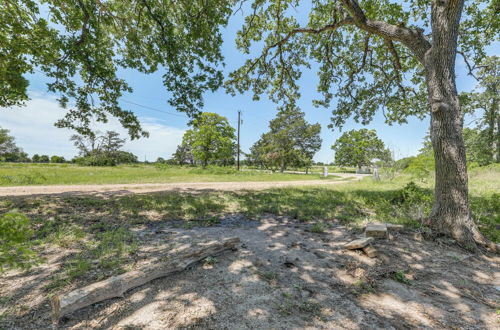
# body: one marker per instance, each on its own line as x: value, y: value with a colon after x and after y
x: 96, y: 233
x: 12, y: 174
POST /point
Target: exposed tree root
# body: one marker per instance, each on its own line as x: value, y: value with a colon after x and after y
x: 484, y: 242
x: 466, y: 235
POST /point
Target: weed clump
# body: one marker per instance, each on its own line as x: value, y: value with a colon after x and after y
x: 16, y: 247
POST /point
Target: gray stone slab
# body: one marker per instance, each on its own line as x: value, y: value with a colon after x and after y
x: 376, y: 230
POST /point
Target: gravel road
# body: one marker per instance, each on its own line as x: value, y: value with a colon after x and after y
x: 152, y: 187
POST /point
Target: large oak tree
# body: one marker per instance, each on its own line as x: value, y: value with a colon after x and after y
x: 80, y: 45
x: 398, y: 57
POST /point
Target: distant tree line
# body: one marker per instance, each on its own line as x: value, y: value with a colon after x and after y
x: 95, y: 149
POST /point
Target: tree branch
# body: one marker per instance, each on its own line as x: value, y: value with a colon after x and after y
x: 469, y: 67
x: 411, y: 38
x: 394, y: 52
x: 329, y: 27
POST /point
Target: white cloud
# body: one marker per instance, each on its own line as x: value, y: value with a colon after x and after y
x: 34, y: 130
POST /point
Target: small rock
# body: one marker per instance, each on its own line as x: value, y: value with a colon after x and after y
x: 359, y: 243
x: 370, y: 251
x: 377, y: 230
x: 497, y: 287
x: 271, y: 245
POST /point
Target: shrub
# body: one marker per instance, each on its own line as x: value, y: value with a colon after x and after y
x: 44, y: 159
x: 103, y: 158
x: 95, y: 160
x: 403, y: 163
x: 421, y: 167
x: 15, y: 242
x: 57, y: 159
x: 412, y: 195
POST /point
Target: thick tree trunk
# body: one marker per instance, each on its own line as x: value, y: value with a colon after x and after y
x: 451, y: 214
x: 495, y: 128
x: 498, y: 137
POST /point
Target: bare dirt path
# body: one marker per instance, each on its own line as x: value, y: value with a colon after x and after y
x: 152, y: 187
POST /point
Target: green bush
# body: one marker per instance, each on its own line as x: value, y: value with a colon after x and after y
x: 57, y: 159
x: 102, y: 158
x: 412, y: 194
x: 15, y: 242
x: 403, y: 163
x: 421, y: 167
x: 413, y: 201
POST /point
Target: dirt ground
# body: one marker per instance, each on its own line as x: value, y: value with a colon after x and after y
x: 285, y: 276
x: 152, y: 187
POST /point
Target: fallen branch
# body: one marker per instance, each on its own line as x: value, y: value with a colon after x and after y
x: 116, y: 286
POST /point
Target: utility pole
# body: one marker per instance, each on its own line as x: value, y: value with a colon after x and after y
x: 238, y: 157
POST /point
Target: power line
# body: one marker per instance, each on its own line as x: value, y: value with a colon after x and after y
x: 137, y: 104
x: 154, y: 109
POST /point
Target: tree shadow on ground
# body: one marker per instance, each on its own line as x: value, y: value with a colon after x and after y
x: 285, y: 276
x: 282, y: 276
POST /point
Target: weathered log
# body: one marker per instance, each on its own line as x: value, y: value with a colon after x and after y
x: 358, y: 243
x: 116, y: 286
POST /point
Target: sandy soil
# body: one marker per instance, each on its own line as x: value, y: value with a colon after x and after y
x: 152, y: 187
x: 283, y: 276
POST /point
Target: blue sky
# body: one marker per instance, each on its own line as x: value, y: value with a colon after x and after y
x: 33, y: 125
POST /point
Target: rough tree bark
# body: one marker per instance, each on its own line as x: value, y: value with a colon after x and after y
x: 497, y: 137
x: 494, y: 127
x: 451, y: 213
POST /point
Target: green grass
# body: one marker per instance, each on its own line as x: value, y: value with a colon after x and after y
x: 98, y: 228
x: 102, y: 254
x: 316, y: 169
x: 15, y: 174
x: 400, y: 276
x: 349, y: 202
x: 318, y: 228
